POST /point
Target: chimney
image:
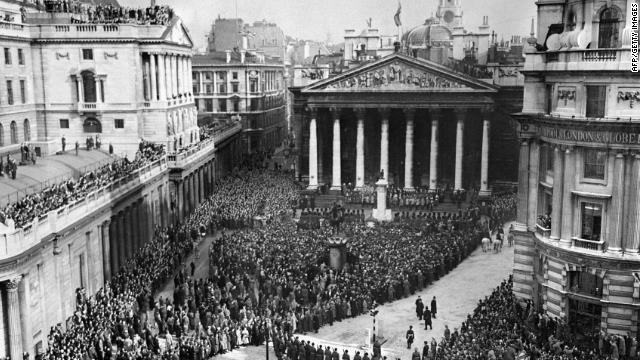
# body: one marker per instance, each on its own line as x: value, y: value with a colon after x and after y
x: 243, y: 54
x: 228, y: 52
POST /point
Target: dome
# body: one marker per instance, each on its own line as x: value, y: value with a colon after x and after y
x: 431, y: 33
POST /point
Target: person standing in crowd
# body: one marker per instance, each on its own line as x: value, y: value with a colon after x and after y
x: 425, y: 350
x: 416, y: 355
x: 410, y: 336
x: 427, y: 318
x: 419, y: 308
x: 434, y: 307
x: 77, y: 147
x: 64, y: 143
x: 110, y: 149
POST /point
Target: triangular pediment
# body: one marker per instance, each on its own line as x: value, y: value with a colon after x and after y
x: 400, y: 73
x: 177, y: 33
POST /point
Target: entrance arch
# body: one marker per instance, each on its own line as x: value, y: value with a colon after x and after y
x: 92, y: 125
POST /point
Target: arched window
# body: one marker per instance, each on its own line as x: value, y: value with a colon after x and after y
x: 89, y: 86
x: 1, y: 135
x: 92, y: 125
x: 27, y: 130
x: 14, y: 132
x: 609, y: 25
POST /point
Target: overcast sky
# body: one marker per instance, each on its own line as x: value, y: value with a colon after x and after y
x: 314, y: 20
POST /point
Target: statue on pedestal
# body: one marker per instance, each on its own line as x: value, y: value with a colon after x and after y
x: 337, y: 216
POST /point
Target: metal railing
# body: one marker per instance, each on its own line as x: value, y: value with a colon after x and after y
x: 587, y: 244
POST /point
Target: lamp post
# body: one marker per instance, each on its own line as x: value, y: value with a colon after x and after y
x: 373, y: 312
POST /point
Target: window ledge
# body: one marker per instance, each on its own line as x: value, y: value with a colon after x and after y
x: 590, y: 194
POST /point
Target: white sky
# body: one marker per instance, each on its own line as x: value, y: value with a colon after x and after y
x: 314, y: 20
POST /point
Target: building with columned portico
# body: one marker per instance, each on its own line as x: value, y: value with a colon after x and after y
x: 578, y: 224
x: 419, y: 122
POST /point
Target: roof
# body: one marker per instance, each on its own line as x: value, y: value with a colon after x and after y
x: 426, y: 34
x: 220, y: 58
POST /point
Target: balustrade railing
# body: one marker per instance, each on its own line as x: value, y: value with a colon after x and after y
x: 543, y: 231
x: 587, y: 244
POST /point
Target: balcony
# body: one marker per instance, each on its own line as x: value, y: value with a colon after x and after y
x: 579, y: 60
x: 18, y: 240
x: 10, y: 29
x: 192, y: 154
x: 543, y: 231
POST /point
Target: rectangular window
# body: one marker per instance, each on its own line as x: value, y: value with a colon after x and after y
x: 591, y: 221
x: 594, y: 164
x: 208, y: 105
x: 222, y: 105
x: 253, y: 84
x: 234, y: 75
x: 255, y: 104
x: 20, y: 57
x: 7, y: 56
x: 87, y: 54
x: 236, y: 105
x: 208, y: 88
x: 119, y: 123
x: 235, y: 88
x: 9, y: 92
x: 583, y: 282
x: 596, y: 100
x: 23, y: 92
x: 222, y: 88
x: 64, y: 123
x: 83, y: 281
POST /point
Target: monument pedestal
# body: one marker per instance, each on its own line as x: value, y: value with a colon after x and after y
x: 337, y: 252
x: 381, y: 213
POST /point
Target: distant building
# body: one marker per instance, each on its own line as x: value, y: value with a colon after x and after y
x: 230, y: 34
x: 246, y: 84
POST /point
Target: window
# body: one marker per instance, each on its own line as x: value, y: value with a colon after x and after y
x: 583, y: 282
x: 64, y: 123
x: 235, y: 88
x: 255, y: 104
x: 253, y: 84
x: 20, y: 57
x: 1, y: 135
x: 119, y: 123
x: 27, y: 130
x: 81, y: 267
x: 222, y: 88
x: 608, y: 31
x: 9, y: 92
x: 591, y: 221
x: 7, y: 56
x: 14, y: 132
x: 23, y: 93
x: 89, y: 87
x: 594, y: 164
x: 236, y: 105
x: 208, y: 105
x: 92, y: 125
x: 596, y: 98
x: 87, y: 54
x: 234, y: 75
x: 222, y: 105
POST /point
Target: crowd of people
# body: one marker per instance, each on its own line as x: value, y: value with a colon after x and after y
x: 83, y: 12
x: 32, y: 206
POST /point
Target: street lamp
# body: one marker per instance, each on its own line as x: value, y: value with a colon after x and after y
x: 373, y: 312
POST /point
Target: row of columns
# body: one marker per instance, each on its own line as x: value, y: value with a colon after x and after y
x: 98, y: 79
x: 622, y: 213
x: 336, y: 181
x: 194, y: 189
x: 127, y: 232
x: 167, y: 76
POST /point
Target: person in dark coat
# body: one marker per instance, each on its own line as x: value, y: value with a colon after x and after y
x: 419, y: 308
x: 410, y: 336
x: 335, y: 355
x: 425, y: 350
x: 427, y: 319
x: 434, y: 307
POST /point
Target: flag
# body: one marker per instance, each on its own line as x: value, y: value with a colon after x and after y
x: 396, y: 18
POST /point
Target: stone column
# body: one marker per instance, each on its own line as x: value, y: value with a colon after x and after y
x: 384, y: 143
x: 106, y: 250
x: 122, y: 248
x: 534, y: 180
x: 113, y: 245
x: 132, y: 229
x: 433, y: 155
x: 567, y: 197
x: 80, y: 88
x: 154, y: 91
x: 24, y: 295
x: 172, y: 67
x: 178, y: 72
x: 633, y: 243
x: 98, y: 82
x: 360, y: 113
x: 3, y: 330
x: 147, y: 80
x: 162, y: 81
x: 180, y: 193
x: 203, y: 195
x: 15, y: 328
x: 201, y: 79
x: 192, y: 193
x: 558, y: 184
x: 614, y: 237
x: 336, y: 179
x: 523, y: 183
x: 460, y: 115
x: 408, y: 149
x: 484, y: 164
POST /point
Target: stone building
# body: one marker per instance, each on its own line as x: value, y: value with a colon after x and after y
x: 246, y: 84
x: 578, y: 224
x: 123, y: 82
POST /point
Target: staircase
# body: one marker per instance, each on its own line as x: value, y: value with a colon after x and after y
x: 327, y: 200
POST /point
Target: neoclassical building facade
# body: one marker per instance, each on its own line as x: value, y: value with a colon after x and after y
x: 578, y: 224
x: 419, y: 122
